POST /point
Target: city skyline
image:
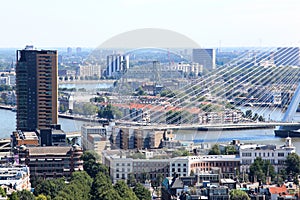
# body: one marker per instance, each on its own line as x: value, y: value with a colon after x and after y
x: 209, y: 23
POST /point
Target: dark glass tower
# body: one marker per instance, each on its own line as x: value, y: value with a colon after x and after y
x: 36, y: 88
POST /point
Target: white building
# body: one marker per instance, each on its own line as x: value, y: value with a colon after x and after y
x: 94, y: 138
x: 274, y: 153
x: 15, y: 176
x: 205, y: 57
x: 89, y: 71
x: 121, y: 165
x: 190, y: 68
x: 183, y: 166
x: 116, y: 64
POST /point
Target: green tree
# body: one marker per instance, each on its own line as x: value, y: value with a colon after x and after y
x: 90, y: 164
x: 260, y: 169
x: 140, y: 92
x: 25, y: 195
x: 102, y: 188
x: 109, y: 112
x: 261, y: 119
x: 78, y: 188
x: 41, y: 197
x: 124, y: 191
x: 85, y: 109
x: 292, y: 164
x: 141, y: 192
x: 237, y: 194
x: 230, y: 150
x: 131, y: 181
x: 50, y: 187
x: 2, y: 192
x: 14, y: 196
x: 248, y: 114
x: 215, y: 150
x: 255, y: 117
x: 192, y: 173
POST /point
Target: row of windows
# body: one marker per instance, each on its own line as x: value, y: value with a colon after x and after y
x: 123, y: 164
x: 248, y: 154
x: 178, y: 164
x: 214, y: 164
x: 178, y: 170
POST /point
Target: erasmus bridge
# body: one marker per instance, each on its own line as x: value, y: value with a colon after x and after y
x: 265, y: 78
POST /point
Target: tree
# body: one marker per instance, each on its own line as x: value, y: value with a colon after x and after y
x: 215, y: 150
x: 109, y: 112
x: 41, y: 197
x: 237, y: 194
x: 260, y: 169
x: 248, y: 114
x: 50, y: 187
x: 25, y: 195
x: 255, y: 117
x: 78, y: 188
x: 124, y: 191
x: 292, y: 164
x: 131, y: 181
x: 140, y: 91
x: 230, y: 150
x: 90, y: 164
x: 14, y: 196
x: 192, y: 173
x: 2, y: 192
x: 102, y: 188
x: 85, y: 109
x: 141, y: 192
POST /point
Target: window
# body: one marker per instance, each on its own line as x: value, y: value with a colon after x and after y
x: 247, y: 154
x: 280, y: 154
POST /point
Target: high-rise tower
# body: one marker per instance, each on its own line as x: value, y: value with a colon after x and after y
x: 36, y: 88
x: 205, y: 57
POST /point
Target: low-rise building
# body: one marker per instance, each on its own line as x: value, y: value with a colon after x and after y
x: 15, y: 177
x: 28, y: 138
x: 274, y: 153
x: 94, y: 138
x: 51, y: 161
x: 183, y: 166
x: 121, y: 164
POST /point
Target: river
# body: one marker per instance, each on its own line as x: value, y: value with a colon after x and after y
x: 261, y: 136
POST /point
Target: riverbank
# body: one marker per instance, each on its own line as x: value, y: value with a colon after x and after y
x: 85, y: 81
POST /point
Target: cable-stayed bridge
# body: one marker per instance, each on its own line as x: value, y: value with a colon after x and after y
x: 264, y: 77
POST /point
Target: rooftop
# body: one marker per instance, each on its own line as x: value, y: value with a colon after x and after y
x: 49, y: 150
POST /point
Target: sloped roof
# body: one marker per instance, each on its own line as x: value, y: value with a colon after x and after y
x: 277, y: 190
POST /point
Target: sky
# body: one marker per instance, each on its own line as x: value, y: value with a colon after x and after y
x: 89, y: 23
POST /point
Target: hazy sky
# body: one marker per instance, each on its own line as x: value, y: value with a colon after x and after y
x: 88, y: 23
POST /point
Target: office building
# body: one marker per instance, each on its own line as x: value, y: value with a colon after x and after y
x: 206, y: 58
x: 94, y: 138
x: 116, y: 65
x: 51, y: 162
x: 287, y: 56
x: 89, y: 71
x: 36, y: 88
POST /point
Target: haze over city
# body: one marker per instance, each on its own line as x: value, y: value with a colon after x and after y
x: 150, y: 99
x: 210, y: 23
